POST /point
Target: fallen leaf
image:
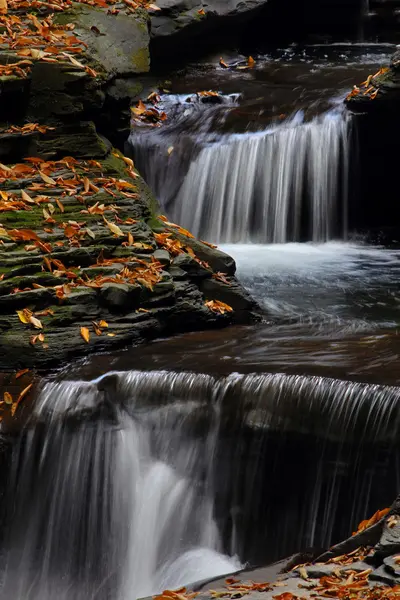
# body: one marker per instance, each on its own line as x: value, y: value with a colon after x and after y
x: 7, y: 398
x: 20, y: 398
x: 85, y: 333
x: 23, y: 317
x: 35, y: 322
x: 47, y: 179
x: 21, y: 373
x: 114, y: 228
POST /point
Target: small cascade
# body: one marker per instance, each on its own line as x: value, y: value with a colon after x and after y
x: 288, y: 183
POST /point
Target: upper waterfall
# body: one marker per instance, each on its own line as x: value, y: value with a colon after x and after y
x: 288, y: 183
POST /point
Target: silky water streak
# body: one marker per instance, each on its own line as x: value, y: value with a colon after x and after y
x: 288, y: 183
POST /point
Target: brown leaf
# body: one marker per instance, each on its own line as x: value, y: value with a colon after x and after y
x: 60, y: 205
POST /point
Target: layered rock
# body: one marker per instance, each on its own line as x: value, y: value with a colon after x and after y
x: 84, y: 257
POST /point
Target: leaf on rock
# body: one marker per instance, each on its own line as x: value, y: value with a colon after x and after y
x: 7, y: 398
x: 114, y: 228
x: 47, y: 179
x: 35, y: 322
x: 85, y: 333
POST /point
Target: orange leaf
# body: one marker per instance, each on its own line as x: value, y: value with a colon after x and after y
x: 85, y: 333
x: 20, y: 373
x: 20, y: 398
x: 60, y: 205
x: 7, y: 398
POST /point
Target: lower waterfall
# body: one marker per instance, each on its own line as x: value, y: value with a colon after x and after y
x: 93, y: 512
x: 288, y: 183
x: 137, y: 481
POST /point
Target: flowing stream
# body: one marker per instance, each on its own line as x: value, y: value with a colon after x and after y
x: 199, y: 455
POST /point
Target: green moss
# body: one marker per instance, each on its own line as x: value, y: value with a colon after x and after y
x: 141, y: 60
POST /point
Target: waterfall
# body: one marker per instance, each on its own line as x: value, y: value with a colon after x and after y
x: 137, y: 481
x: 287, y: 183
x: 96, y: 514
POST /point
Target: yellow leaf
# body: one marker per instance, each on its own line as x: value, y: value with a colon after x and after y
x: 111, y: 334
x: 26, y: 197
x: 35, y: 322
x: 47, y: 179
x: 154, y: 7
x: 113, y: 228
x: 170, y: 150
x: 23, y: 317
x: 128, y: 161
x: 103, y: 323
x: 90, y: 233
x: 3, y: 6
x: 85, y: 333
x: 46, y: 214
x: 130, y: 239
x: 7, y: 398
x: 86, y: 184
x: 51, y: 208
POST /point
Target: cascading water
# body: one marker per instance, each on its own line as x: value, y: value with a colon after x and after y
x: 93, y: 512
x: 139, y: 481
x: 286, y: 183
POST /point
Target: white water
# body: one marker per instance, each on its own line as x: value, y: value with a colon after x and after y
x: 97, y: 516
x: 287, y: 183
x: 321, y: 282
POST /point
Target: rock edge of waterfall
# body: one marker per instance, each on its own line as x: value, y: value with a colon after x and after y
x: 86, y: 264
x: 365, y: 566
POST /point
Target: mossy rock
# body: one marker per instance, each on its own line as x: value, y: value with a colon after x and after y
x: 119, y: 43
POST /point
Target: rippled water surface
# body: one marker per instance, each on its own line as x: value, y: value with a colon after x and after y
x: 331, y: 310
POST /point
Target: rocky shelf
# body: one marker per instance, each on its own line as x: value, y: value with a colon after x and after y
x: 86, y: 262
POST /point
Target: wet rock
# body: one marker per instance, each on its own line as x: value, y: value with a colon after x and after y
x: 232, y: 294
x: 389, y: 542
x: 162, y: 256
x: 177, y: 273
x: 193, y: 269
x: 383, y: 575
x: 392, y: 564
x: 117, y: 296
x: 177, y: 22
x: 218, y: 260
x: 120, y: 43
